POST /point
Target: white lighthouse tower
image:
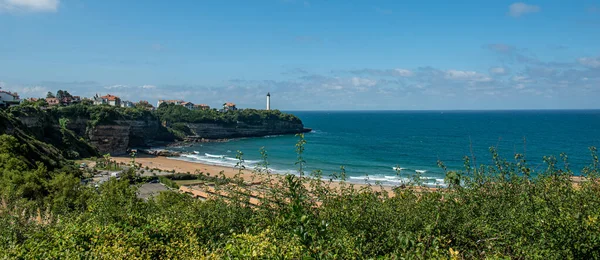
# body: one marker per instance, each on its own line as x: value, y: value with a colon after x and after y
x: 268, y: 101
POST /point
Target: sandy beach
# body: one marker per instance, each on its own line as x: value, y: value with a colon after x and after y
x: 167, y: 164
x: 180, y: 166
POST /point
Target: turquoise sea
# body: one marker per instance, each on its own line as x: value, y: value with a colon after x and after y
x: 369, y: 144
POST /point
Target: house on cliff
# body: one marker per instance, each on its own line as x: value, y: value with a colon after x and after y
x: 229, y: 107
x: 8, y: 99
x: 107, y: 100
x: 202, y: 107
x: 53, y: 101
x: 65, y: 101
x: 127, y: 104
x: 188, y: 105
x: 172, y: 101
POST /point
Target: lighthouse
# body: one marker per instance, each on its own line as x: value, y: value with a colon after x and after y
x: 268, y: 101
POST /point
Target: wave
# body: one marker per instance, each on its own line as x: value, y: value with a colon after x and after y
x: 394, y: 180
x: 251, y: 164
x: 219, y: 160
x: 272, y: 136
x: 316, y: 131
x: 214, y: 156
x: 401, y: 169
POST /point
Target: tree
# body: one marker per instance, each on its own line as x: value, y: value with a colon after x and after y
x: 143, y: 104
x: 60, y: 94
x: 50, y: 95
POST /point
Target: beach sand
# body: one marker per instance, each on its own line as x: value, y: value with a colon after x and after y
x: 166, y: 164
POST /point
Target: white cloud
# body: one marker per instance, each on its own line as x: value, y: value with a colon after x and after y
x: 29, y: 5
x: 466, y: 75
x: 498, y: 71
x: 590, y: 62
x: 116, y: 87
x: 519, y: 9
x: 34, y: 90
x: 332, y: 86
x: 357, y: 82
x: 403, y: 72
x: 522, y: 79
x: 119, y: 86
x: 25, y: 91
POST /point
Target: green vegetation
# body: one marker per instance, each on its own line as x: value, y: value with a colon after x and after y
x: 173, y: 114
x: 80, y: 119
x: 168, y: 182
x: 49, y: 128
x: 105, y: 163
x: 32, y: 150
x: 100, y: 115
x: 503, y: 210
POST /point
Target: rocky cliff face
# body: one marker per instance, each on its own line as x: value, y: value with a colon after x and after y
x: 144, y: 133
x: 113, y: 138
x: 217, y: 131
x: 33, y: 150
x: 117, y: 137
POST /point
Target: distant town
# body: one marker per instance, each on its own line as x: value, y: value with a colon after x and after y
x: 64, y: 98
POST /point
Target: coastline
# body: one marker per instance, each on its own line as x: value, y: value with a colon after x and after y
x: 167, y: 164
x: 181, y: 166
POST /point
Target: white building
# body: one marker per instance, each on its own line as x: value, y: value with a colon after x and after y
x: 188, y: 105
x: 107, y: 100
x: 127, y: 104
x: 229, y: 107
x: 9, y: 99
x: 176, y: 102
x: 268, y: 101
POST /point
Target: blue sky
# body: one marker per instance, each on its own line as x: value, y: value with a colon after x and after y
x: 310, y: 54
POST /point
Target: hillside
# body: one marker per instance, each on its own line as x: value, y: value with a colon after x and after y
x: 114, y: 129
x: 496, y: 211
x: 30, y: 148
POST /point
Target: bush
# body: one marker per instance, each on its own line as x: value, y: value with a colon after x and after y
x: 168, y: 182
x: 504, y: 210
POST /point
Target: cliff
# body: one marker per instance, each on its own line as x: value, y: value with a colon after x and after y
x: 32, y: 149
x: 92, y: 130
x: 117, y: 137
x: 41, y: 125
x: 219, y: 131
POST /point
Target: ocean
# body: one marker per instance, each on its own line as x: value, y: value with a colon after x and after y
x: 369, y: 144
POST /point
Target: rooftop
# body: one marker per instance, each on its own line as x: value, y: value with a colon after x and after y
x: 110, y: 97
x: 10, y: 93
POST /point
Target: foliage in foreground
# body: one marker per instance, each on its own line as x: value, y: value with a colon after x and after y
x: 502, y: 210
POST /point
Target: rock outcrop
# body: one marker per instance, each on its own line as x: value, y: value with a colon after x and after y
x: 113, y: 139
x: 119, y: 135
x: 218, y: 131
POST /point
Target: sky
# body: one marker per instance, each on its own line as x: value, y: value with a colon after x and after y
x: 309, y: 54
